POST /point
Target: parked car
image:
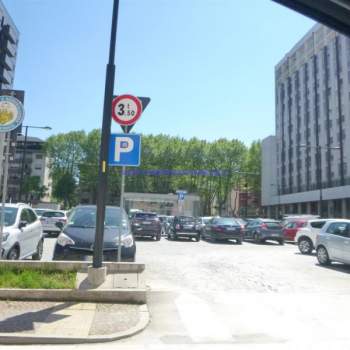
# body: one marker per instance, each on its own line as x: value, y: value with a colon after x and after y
x: 23, y: 233
x: 306, y: 236
x: 145, y: 224
x: 76, y: 241
x: 40, y: 211
x: 261, y: 230
x: 184, y: 226
x: 333, y: 242
x: 201, y: 222
x: 291, y: 228
x: 223, y: 229
x: 53, y: 221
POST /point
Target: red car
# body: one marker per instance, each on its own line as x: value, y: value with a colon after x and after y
x: 290, y: 229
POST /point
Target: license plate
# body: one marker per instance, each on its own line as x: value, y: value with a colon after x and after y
x: 146, y: 223
x: 188, y: 226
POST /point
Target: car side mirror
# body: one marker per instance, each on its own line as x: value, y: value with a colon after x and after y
x: 22, y: 223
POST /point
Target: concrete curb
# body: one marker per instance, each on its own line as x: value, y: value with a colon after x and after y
x: 21, y: 339
x: 131, y: 295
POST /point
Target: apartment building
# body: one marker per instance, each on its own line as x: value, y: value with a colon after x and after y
x: 305, y: 166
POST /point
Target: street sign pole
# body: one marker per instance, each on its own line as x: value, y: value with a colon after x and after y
x: 4, y: 188
x: 122, y: 189
x: 105, y: 134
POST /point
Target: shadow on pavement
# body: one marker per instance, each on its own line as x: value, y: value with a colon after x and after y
x: 311, y: 254
x: 267, y: 243
x: 221, y: 242
x: 145, y: 239
x: 337, y: 267
x: 26, y: 320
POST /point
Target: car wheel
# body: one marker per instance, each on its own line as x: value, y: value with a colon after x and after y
x: 13, y: 254
x: 322, y: 256
x: 198, y: 238
x: 281, y: 242
x: 39, y: 251
x: 158, y: 237
x: 169, y: 237
x: 239, y: 241
x: 305, y: 245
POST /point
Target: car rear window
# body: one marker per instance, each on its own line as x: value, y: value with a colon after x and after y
x: 53, y: 214
x: 273, y: 225
x: 186, y: 219
x: 146, y: 216
x: 226, y: 221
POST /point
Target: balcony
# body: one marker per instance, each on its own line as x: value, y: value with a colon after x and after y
x: 11, y: 34
x: 10, y: 49
x: 6, y: 77
x: 7, y: 62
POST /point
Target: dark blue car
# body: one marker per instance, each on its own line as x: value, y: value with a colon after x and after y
x: 76, y: 242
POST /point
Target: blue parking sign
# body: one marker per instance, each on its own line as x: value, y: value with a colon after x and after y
x: 124, y: 150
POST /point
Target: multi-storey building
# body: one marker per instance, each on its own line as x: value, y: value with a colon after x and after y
x: 9, y: 36
x: 35, y: 165
x: 307, y: 162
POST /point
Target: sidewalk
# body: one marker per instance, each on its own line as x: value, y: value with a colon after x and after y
x: 69, y: 322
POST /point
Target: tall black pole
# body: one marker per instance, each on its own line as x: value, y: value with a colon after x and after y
x: 105, y: 134
x: 23, y: 164
x: 319, y: 165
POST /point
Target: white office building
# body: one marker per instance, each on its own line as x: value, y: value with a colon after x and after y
x: 305, y: 166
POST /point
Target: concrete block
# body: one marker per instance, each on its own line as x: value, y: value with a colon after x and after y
x: 97, y: 276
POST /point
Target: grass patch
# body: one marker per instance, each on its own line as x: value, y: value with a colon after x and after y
x: 36, y: 279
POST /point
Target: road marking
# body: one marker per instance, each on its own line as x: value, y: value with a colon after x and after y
x: 200, y: 321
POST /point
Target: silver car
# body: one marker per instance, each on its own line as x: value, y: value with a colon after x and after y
x: 333, y: 242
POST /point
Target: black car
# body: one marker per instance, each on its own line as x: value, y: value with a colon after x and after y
x: 146, y: 225
x: 184, y: 226
x: 76, y: 242
x: 223, y: 229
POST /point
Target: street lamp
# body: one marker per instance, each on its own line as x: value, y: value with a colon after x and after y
x: 24, y: 154
x: 319, y: 165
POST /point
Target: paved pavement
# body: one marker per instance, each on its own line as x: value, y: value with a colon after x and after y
x: 249, y: 296
x: 66, y: 319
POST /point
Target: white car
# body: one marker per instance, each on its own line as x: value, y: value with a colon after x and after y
x: 53, y: 221
x: 23, y: 233
x: 305, y: 237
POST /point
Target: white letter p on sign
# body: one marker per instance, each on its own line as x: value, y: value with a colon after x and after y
x: 123, y: 145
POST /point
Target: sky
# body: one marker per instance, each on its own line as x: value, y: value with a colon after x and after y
x: 207, y: 65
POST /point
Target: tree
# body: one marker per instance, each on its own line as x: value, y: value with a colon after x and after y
x: 253, y: 165
x: 32, y: 188
x: 64, y: 189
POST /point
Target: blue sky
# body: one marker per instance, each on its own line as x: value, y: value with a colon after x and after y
x: 208, y: 65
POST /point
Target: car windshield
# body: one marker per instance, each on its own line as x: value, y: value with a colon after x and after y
x: 145, y: 216
x: 10, y: 216
x: 225, y: 221
x: 86, y: 217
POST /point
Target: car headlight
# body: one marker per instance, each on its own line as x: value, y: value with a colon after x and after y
x: 5, y: 235
x: 64, y: 240
x: 135, y: 224
x: 127, y: 241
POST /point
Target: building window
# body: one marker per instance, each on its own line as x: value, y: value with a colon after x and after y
x: 39, y: 156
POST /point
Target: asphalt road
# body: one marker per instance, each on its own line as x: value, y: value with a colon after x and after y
x: 253, y: 295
